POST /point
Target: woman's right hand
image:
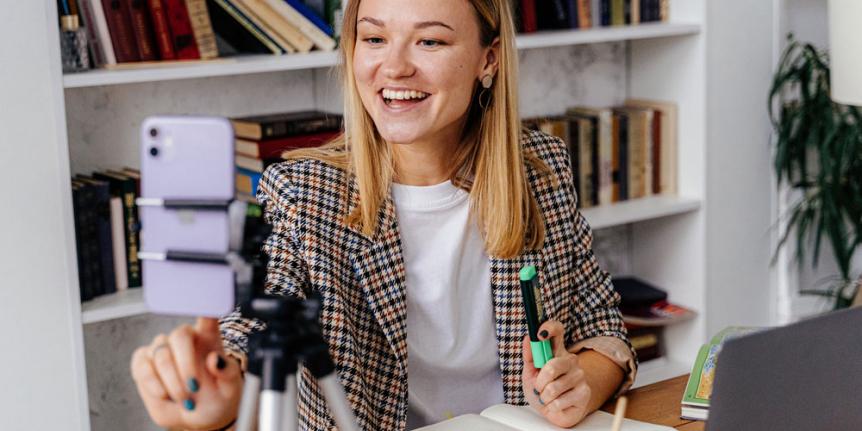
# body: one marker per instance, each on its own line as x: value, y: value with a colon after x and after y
x: 186, y: 380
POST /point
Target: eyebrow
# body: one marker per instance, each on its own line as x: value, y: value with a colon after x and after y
x: 418, y: 25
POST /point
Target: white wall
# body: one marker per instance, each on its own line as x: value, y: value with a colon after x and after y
x: 41, y: 352
x: 739, y: 191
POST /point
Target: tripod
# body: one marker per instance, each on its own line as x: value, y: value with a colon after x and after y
x: 292, y: 332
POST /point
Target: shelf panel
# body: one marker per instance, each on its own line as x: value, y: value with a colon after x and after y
x: 637, y: 210
x: 249, y: 64
x: 121, y: 304
x: 659, y: 369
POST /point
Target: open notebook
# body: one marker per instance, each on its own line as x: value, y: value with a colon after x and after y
x: 505, y: 417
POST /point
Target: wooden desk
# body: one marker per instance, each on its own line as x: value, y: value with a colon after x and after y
x: 658, y: 403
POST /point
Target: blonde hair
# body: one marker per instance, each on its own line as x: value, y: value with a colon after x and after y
x: 489, y: 163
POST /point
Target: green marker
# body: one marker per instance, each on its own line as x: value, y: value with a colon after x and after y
x: 542, y: 351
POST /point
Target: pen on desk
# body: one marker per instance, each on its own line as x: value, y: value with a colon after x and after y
x: 619, y: 413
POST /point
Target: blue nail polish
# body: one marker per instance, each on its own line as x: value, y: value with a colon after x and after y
x: 189, y: 404
x: 193, y: 384
x: 540, y: 401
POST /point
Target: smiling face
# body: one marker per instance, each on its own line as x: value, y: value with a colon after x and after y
x: 416, y: 65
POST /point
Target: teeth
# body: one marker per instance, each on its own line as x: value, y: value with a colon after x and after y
x: 404, y: 94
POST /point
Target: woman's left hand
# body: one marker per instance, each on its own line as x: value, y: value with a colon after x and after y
x: 559, y: 390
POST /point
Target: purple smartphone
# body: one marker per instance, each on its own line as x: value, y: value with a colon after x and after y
x: 186, y: 158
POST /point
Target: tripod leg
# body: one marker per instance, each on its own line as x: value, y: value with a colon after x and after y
x: 338, y: 404
x: 248, y: 404
x: 271, y: 415
x: 291, y: 420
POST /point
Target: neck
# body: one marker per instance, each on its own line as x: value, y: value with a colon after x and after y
x: 426, y: 162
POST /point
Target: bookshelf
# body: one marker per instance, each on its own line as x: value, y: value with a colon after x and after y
x: 279, y: 63
x: 68, y: 120
x: 131, y: 302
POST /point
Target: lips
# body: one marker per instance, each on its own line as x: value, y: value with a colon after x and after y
x: 397, y: 105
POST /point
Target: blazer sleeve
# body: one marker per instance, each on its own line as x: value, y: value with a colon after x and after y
x: 286, y: 272
x: 596, y: 320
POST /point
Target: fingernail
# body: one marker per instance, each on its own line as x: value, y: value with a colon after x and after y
x: 220, y: 363
x: 189, y: 404
x: 536, y: 392
x: 193, y: 384
x: 540, y: 401
x: 544, y: 333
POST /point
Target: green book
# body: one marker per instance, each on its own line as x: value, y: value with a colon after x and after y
x: 695, y: 399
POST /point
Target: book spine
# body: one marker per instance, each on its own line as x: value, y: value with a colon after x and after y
x: 331, y: 8
x: 143, y: 30
x: 656, y: 151
x: 202, y: 28
x: 664, y: 10
x: 624, y: 156
x: 605, y: 12
x: 120, y: 28
x: 618, y: 12
x: 585, y: 18
x: 586, y: 168
x: 131, y: 215
x: 635, y: 12
x: 118, y: 244
x: 312, y: 16
x: 248, y: 36
x: 77, y: 208
x: 97, y: 51
x: 298, y: 127
x: 615, y: 157
x: 91, y: 242
x: 162, y: 30
x: 574, y: 16
x: 102, y: 211
x: 265, y: 26
x: 605, y: 158
x: 185, y: 46
x: 528, y: 16
x: 273, y: 148
x: 307, y: 34
x: 593, y: 139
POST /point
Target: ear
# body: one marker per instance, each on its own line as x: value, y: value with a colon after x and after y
x: 492, y: 57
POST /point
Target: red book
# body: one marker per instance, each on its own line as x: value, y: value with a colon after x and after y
x: 119, y: 19
x: 142, y: 29
x: 273, y: 148
x: 162, y: 30
x: 185, y: 46
x: 529, y: 23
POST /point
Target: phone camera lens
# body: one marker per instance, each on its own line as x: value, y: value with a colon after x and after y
x: 154, y: 151
x: 154, y: 132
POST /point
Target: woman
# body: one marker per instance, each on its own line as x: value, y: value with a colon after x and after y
x: 413, y: 226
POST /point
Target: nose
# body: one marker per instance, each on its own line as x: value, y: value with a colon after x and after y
x: 398, y: 63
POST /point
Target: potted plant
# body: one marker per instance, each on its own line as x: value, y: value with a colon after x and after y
x: 818, y: 155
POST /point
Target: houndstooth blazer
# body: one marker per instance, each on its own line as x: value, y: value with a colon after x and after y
x: 362, y: 282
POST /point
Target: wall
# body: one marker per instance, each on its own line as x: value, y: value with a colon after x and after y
x: 103, y: 123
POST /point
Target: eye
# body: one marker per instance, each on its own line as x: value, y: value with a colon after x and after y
x: 373, y: 40
x: 431, y: 43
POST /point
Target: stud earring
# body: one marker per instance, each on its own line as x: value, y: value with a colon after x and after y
x: 487, y: 80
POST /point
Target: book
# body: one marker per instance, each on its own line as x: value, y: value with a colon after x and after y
x: 666, y: 181
x: 254, y: 164
x: 529, y: 23
x: 274, y: 147
x: 698, y: 390
x: 118, y: 244
x: 185, y: 45
x: 264, y: 26
x: 280, y: 25
x: 202, y: 28
x: 247, y: 181
x: 309, y: 13
x: 119, y: 20
x: 279, y: 125
x: 161, y: 30
x: 142, y: 29
x: 643, y: 304
x: 552, y: 14
x: 240, y: 32
x: 304, y: 20
x: 99, y: 37
x: 506, y: 417
x: 101, y: 207
x: 86, y: 240
x: 639, y: 146
x: 126, y: 188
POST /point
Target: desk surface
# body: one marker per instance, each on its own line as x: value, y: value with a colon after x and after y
x: 658, y: 403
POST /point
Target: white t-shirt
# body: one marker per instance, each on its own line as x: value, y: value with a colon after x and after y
x: 453, y: 362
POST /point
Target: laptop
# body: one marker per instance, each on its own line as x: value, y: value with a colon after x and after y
x: 806, y: 376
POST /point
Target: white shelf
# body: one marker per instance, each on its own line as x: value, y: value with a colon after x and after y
x: 637, y: 210
x: 272, y: 63
x: 659, y: 369
x: 121, y: 304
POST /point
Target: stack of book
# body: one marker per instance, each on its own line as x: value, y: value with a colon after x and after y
x: 618, y: 153
x: 646, y: 312
x: 106, y: 231
x: 535, y: 15
x: 261, y: 140
x: 132, y: 33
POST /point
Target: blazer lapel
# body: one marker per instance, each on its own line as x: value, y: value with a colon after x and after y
x: 511, y: 323
x: 379, y: 267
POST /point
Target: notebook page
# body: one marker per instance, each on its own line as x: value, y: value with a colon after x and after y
x: 525, y: 418
x: 471, y: 422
